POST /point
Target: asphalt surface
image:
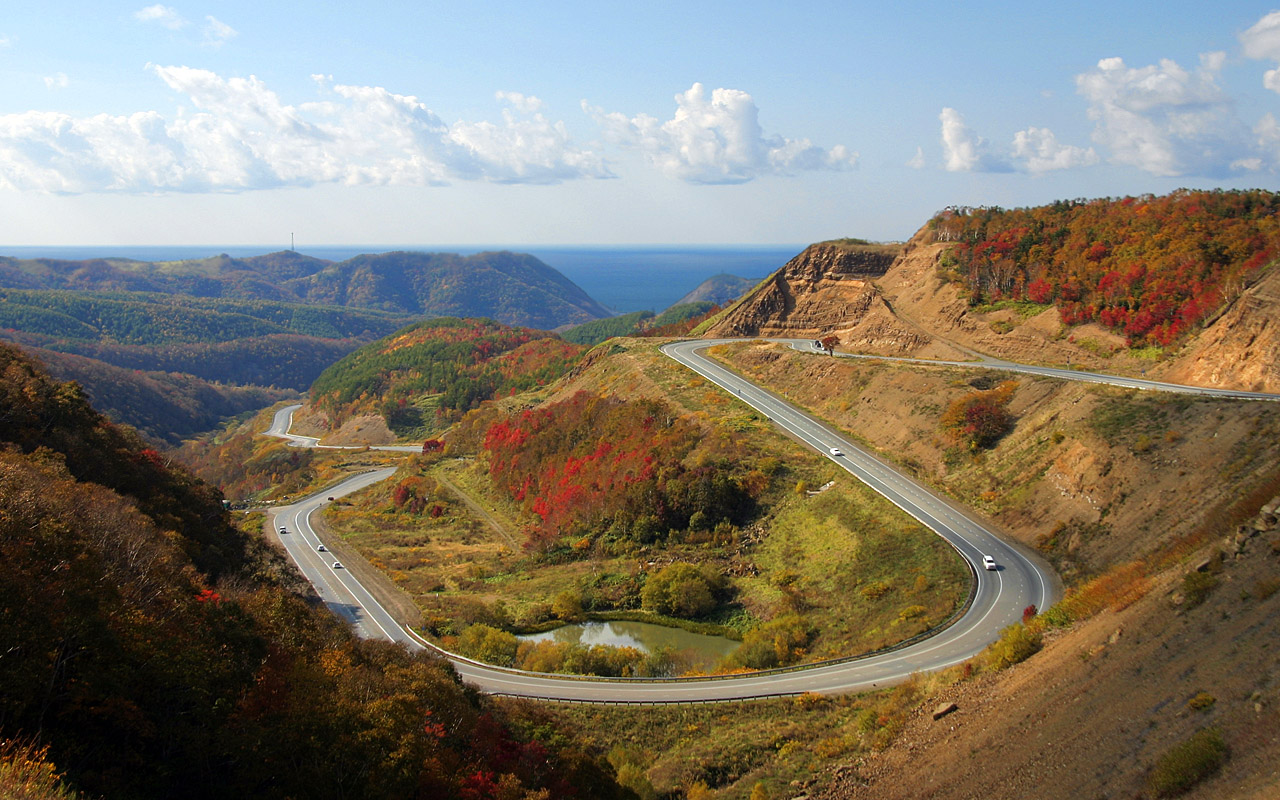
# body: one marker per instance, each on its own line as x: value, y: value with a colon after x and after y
x: 998, y: 599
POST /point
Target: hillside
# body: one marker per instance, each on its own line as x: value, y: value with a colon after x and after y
x: 677, y: 320
x: 151, y: 359
x: 424, y: 377
x: 161, y: 651
x: 720, y: 290
x: 514, y: 288
x: 921, y: 304
x: 166, y: 406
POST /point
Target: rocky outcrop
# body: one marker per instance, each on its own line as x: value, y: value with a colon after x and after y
x: 828, y: 289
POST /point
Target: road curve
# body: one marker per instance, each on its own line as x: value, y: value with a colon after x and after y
x: 998, y: 600
x: 1066, y: 374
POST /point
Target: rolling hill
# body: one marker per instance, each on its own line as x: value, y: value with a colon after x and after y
x: 514, y: 288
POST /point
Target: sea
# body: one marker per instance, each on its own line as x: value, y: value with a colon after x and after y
x: 622, y: 278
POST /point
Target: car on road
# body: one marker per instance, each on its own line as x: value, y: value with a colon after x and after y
x: 283, y: 529
x: 320, y: 548
x: 337, y: 565
x: 988, y: 563
x: 836, y: 451
x: 330, y: 499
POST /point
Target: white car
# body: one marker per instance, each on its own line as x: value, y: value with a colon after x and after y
x: 988, y: 563
x: 337, y: 565
x: 836, y: 451
x: 320, y: 548
x: 283, y: 529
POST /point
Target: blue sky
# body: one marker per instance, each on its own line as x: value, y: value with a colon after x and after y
x: 599, y: 123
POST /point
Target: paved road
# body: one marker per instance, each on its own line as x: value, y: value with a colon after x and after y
x: 990, y: 362
x: 998, y: 601
x: 283, y: 420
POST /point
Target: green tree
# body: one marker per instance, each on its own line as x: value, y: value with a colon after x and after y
x: 682, y: 590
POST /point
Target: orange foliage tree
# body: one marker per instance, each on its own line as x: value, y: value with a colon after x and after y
x: 1151, y: 268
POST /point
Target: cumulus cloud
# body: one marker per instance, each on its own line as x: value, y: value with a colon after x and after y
x: 1165, y: 119
x: 1041, y: 152
x: 965, y: 151
x: 717, y: 139
x: 243, y: 136
x: 58, y: 80
x: 1262, y: 41
x: 1034, y: 150
x: 162, y: 15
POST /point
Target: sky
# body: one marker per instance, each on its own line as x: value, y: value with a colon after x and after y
x: 434, y: 123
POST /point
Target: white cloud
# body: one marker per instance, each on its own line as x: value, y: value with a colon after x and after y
x: 965, y: 151
x: 717, y: 140
x: 1262, y: 41
x: 917, y: 161
x: 1165, y: 119
x: 161, y: 14
x: 58, y: 80
x: 1041, y: 152
x: 242, y: 136
x: 5, y: 41
x: 216, y: 33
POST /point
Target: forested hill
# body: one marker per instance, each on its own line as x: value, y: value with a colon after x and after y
x: 161, y: 652
x: 424, y: 377
x: 514, y: 288
x: 1152, y: 269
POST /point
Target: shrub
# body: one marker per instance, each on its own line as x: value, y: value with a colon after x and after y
x: 1196, y: 587
x: 776, y: 643
x: 682, y: 590
x: 1187, y: 763
x: 978, y: 420
x: 490, y: 645
x: 1016, y: 644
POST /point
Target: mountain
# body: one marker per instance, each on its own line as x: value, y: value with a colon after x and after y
x: 720, y: 290
x: 159, y: 650
x: 514, y: 288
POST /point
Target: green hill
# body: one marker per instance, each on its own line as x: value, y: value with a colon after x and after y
x: 514, y: 288
x: 423, y: 377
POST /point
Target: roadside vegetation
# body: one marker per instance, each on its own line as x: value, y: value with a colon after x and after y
x: 663, y: 501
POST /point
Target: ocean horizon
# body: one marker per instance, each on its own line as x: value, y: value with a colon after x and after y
x: 623, y: 278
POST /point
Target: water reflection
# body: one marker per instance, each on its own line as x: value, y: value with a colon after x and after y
x: 702, y: 651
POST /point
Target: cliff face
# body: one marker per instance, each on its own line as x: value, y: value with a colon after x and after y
x: 828, y: 288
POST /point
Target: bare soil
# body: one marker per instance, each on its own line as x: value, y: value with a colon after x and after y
x: 1090, y: 714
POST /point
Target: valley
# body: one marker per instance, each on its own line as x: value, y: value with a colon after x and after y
x: 998, y: 386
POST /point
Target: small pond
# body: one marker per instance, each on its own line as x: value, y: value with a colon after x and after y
x: 702, y: 651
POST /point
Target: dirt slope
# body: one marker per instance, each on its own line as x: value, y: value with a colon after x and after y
x: 1090, y: 714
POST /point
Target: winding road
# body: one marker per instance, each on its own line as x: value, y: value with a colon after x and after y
x: 997, y: 601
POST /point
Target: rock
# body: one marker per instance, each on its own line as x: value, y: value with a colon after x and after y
x: 1204, y: 564
x: 944, y: 709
